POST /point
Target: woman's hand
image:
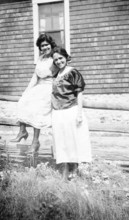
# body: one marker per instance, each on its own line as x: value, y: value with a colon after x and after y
x: 79, y: 120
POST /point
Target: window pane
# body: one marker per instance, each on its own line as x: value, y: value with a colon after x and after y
x: 44, y: 18
x: 58, y: 36
x: 51, y: 20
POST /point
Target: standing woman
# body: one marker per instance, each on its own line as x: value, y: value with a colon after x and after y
x: 70, y: 129
x: 34, y: 107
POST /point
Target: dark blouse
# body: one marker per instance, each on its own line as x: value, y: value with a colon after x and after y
x: 66, y: 88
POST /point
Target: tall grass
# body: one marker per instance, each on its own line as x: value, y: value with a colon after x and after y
x: 41, y: 194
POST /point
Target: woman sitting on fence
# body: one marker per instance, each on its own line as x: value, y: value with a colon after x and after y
x: 34, y: 107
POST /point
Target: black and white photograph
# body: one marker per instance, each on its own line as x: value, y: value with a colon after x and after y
x: 64, y: 109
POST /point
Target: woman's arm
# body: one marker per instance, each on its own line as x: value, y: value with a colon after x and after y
x: 80, y: 105
x: 32, y: 82
x: 78, y: 83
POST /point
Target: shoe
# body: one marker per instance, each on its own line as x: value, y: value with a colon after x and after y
x: 34, y: 147
x: 20, y: 136
x: 72, y: 176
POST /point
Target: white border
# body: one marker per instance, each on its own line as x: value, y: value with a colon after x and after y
x: 36, y: 24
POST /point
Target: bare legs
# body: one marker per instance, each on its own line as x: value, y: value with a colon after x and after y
x: 36, y: 135
x: 22, y: 127
x: 65, y: 171
x: 69, y: 171
x: 35, y: 142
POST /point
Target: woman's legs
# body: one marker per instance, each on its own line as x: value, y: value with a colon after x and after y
x: 22, y: 133
x: 22, y: 128
x: 69, y: 171
x: 36, y: 135
x: 73, y: 170
x: 35, y: 142
x: 65, y: 171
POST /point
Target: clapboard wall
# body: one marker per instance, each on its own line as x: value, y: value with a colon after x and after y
x: 100, y: 43
x: 16, y: 46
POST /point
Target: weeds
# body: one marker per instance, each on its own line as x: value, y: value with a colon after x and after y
x: 100, y: 192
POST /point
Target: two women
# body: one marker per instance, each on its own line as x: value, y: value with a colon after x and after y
x: 34, y: 107
x: 70, y: 129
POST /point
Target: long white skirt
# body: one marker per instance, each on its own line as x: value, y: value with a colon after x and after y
x: 34, y: 107
x: 71, y: 142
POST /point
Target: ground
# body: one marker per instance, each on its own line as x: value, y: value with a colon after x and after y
x: 109, y: 128
x: 110, y: 146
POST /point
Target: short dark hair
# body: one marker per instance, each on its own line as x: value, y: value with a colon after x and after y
x: 62, y: 51
x: 45, y: 37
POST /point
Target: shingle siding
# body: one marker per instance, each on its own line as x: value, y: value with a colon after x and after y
x: 100, y: 43
x: 16, y: 46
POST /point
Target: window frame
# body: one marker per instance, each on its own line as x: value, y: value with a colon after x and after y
x: 36, y: 24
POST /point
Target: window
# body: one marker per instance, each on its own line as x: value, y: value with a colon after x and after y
x: 51, y: 20
x: 52, y: 17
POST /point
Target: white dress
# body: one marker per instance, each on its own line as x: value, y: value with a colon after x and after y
x: 34, y: 107
x: 71, y: 142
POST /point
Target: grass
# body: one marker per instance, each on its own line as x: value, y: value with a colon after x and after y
x: 100, y: 192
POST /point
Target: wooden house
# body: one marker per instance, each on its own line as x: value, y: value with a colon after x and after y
x: 94, y: 32
x: 96, y: 35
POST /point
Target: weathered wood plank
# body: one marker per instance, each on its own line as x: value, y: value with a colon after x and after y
x: 9, y: 98
x: 86, y: 104
x: 93, y: 104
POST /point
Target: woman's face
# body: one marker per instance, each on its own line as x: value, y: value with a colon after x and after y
x: 45, y: 47
x: 59, y: 60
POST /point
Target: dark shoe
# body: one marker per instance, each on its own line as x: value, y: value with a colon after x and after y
x: 34, y: 147
x: 20, y: 136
